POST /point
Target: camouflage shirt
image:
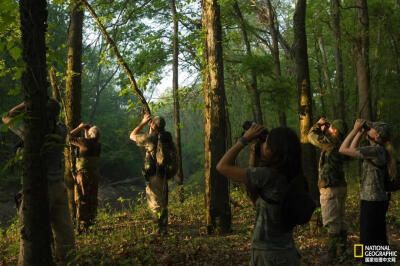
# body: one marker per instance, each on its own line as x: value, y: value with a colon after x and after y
x: 330, y: 167
x: 267, y: 230
x: 372, y: 178
x: 149, y: 143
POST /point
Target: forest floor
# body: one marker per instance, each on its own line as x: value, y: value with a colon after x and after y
x: 125, y: 237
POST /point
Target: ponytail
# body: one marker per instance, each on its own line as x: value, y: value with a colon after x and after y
x: 392, y: 160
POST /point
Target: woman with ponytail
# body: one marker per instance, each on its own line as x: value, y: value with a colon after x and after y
x: 378, y: 158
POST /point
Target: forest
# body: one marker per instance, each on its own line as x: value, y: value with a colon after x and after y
x: 206, y: 67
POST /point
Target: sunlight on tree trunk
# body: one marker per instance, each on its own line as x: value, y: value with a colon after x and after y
x: 218, y: 213
x: 304, y: 96
x: 73, y: 91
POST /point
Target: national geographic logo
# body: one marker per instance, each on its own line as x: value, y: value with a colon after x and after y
x: 358, y: 250
x: 375, y: 253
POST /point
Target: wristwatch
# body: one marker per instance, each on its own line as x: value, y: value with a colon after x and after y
x: 243, y: 140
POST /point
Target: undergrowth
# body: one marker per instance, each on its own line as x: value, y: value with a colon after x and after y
x: 125, y: 237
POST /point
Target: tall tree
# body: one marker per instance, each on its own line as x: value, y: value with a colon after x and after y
x: 274, y: 31
x: 327, y: 77
x: 73, y: 91
x: 304, y: 95
x: 361, y: 52
x: 337, y: 33
x: 175, y: 87
x: 253, y: 88
x: 218, y: 214
x: 35, y: 210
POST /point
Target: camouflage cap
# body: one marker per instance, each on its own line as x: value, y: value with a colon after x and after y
x: 383, y: 129
x: 340, y: 125
x: 158, y: 121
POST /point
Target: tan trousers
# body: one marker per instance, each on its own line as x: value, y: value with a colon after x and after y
x: 60, y: 222
x: 157, y: 199
x: 333, y: 201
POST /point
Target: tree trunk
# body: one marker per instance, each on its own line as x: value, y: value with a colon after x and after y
x: 35, y: 210
x: 273, y: 29
x: 361, y: 52
x: 320, y: 85
x: 341, y: 102
x: 73, y: 89
x: 55, y: 90
x: 175, y: 87
x: 304, y: 94
x: 252, y: 89
x: 218, y: 216
x: 329, y: 89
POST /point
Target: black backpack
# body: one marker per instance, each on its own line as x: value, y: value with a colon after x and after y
x: 166, y: 156
x: 297, y: 205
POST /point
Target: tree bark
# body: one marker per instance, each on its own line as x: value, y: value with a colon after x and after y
x: 329, y: 88
x: 73, y: 91
x: 341, y: 102
x: 320, y: 84
x: 35, y: 209
x: 273, y: 29
x: 218, y: 213
x: 304, y: 94
x: 55, y: 89
x: 252, y: 89
x: 121, y: 61
x: 361, y: 52
x: 175, y: 87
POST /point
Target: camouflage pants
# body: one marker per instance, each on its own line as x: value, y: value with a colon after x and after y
x: 61, y: 225
x: 86, y: 188
x: 157, y: 199
x: 260, y: 257
x: 332, y: 201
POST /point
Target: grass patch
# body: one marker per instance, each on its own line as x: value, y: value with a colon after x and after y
x: 124, y: 237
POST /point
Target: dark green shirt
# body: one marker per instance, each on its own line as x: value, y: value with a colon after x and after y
x: 330, y: 168
x: 267, y: 230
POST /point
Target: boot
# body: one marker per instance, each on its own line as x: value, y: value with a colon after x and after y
x: 330, y: 256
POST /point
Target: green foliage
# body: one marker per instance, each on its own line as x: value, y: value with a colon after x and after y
x: 125, y: 237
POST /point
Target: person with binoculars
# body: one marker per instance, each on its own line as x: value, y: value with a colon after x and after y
x: 88, y: 175
x: 331, y: 183
x: 378, y: 158
x: 281, y: 155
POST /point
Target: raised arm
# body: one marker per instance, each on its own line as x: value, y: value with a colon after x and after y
x: 226, y: 166
x: 352, y: 140
x: 13, y: 112
x: 137, y: 129
x: 79, y: 128
x: 317, y: 138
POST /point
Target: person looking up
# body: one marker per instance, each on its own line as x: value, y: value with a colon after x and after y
x: 87, y: 177
x: 281, y: 152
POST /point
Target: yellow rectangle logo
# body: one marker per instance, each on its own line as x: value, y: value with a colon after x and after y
x: 358, y: 254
